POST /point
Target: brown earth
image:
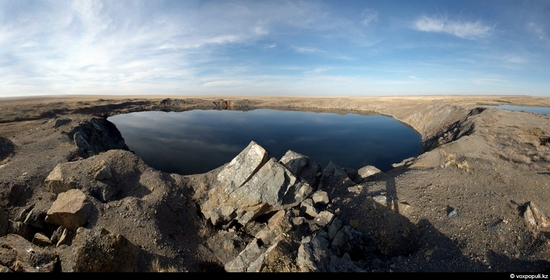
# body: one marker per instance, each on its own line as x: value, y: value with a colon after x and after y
x: 458, y: 206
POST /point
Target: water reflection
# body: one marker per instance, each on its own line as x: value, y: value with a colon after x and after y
x: 533, y: 109
x: 198, y: 141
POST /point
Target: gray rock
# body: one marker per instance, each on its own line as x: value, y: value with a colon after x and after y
x: 95, y: 136
x: 313, y: 255
x: 251, y: 185
x: 307, y: 209
x: 341, y: 242
x: 272, y: 188
x: 243, y: 166
x: 279, y: 224
x: 242, y: 262
x: 71, y: 209
x: 303, y: 167
x: 334, y: 180
x: 334, y: 227
x: 279, y: 257
x: 452, y: 212
x: 320, y: 198
x: 367, y: 171
x: 324, y: 218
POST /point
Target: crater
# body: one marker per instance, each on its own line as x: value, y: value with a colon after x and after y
x: 197, y: 141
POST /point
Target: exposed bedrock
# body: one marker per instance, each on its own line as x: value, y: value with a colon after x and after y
x: 292, y: 220
x: 95, y: 136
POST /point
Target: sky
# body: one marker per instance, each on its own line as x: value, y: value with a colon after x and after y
x: 277, y: 47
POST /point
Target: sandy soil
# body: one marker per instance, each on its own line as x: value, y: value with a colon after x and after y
x: 462, y: 200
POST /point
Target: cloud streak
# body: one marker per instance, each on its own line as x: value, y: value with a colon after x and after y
x: 466, y: 30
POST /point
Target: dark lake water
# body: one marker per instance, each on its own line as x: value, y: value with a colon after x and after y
x: 198, y: 141
x: 540, y: 110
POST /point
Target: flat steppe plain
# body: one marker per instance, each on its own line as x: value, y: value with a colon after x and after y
x: 465, y: 194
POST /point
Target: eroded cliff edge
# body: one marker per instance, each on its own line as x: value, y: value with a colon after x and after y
x: 473, y: 201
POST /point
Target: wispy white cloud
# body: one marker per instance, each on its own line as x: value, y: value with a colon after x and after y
x: 488, y: 81
x: 323, y: 53
x: 316, y: 71
x: 515, y: 59
x: 466, y: 30
x: 539, y: 32
x: 369, y: 16
x: 73, y: 45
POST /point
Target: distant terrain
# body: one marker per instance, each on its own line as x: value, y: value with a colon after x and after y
x: 73, y: 197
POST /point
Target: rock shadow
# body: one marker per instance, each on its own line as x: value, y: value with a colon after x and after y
x: 7, y: 148
x: 404, y: 246
x: 182, y: 229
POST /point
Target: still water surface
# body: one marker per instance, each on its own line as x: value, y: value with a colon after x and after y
x: 198, y: 141
x: 533, y: 109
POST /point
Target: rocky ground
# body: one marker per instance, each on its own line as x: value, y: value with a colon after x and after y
x: 74, y: 198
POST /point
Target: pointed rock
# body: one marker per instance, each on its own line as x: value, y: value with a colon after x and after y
x: 250, y: 188
x: 58, y: 181
x: 335, y: 180
x: 243, y: 166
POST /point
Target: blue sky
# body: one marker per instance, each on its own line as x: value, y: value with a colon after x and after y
x: 310, y: 48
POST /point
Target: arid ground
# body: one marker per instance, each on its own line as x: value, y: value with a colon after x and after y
x: 472, y: 201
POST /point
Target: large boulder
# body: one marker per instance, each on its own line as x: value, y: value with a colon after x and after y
x: 251, y: 185
x: 111, y: 175
x: 95, y: 136
x: 243, y: 166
